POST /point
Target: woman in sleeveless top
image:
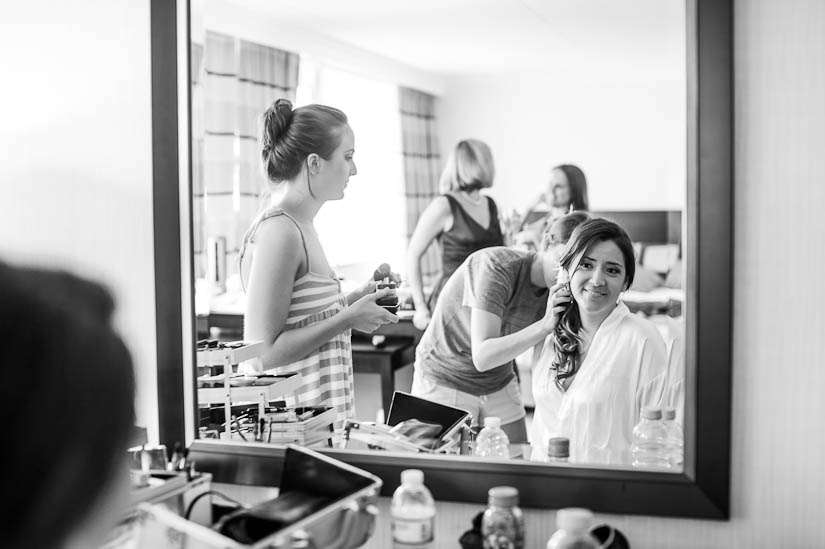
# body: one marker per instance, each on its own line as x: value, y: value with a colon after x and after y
x: 462, y: 220
x: 294, y: 301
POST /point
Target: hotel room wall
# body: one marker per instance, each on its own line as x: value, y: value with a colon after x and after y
x: 76, y: 156
x: 628, y: 137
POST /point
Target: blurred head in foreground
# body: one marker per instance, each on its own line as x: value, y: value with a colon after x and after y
x: 67, y: 398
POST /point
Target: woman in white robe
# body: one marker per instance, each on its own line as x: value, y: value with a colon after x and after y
x: 603, y: 363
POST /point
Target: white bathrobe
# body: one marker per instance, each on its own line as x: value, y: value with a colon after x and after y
x: 624, y: 370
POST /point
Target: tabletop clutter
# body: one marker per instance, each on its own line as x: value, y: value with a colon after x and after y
x: 323, y: 502
x: 253, y: 403
x: 499, y: 526
x: 412, y: 424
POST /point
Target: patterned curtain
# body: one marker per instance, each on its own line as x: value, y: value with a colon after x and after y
x: 239, y: 80
x: 264, y: 75
x: 422, y: 165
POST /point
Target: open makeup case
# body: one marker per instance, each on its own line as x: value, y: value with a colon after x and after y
x: 413, y: 424
x: 321, y: 502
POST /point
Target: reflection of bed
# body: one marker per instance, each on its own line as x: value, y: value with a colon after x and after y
x: 666, y: 301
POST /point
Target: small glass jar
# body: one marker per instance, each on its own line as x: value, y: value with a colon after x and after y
x: 502, y: 526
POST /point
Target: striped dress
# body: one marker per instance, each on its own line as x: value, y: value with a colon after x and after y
x: 326, y: 372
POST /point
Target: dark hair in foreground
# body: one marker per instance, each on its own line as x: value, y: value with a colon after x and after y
x: 578, y: 185
x: 68, y: 393
x: 289, y: 136
x: 566, y: 336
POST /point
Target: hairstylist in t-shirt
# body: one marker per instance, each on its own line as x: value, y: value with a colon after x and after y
x: 492, y: 309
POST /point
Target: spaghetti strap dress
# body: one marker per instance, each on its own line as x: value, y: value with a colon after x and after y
x: 326, y: 372
x: 464, y: 237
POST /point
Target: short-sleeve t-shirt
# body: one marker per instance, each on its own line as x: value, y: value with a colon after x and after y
x: 496, y: 280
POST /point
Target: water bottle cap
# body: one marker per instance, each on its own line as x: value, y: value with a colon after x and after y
x: 649, y: 412
x: 412, y: 476
x: 492, y: 421
x: 670, y: 413
x: 574, y: 519
x: 558, y: 447
x: 503, y: 496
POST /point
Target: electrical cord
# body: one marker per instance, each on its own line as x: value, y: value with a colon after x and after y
x: 192, y: 503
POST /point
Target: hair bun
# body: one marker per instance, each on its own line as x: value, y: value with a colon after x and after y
x: 277, y: 119
x: 284, y: 107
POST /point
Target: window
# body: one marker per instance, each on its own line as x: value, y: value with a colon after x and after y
x: 368, y: 226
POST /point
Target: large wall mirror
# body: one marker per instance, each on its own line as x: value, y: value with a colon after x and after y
x: 636, y: 93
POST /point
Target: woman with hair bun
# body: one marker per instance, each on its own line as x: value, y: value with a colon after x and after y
x: 601, y: 364
x: 294, y: 300
x: 462, y: 220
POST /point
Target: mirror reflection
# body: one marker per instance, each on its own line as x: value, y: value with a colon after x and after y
x: 442, y: 228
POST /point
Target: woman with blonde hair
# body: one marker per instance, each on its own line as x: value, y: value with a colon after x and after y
x: 462, y: 220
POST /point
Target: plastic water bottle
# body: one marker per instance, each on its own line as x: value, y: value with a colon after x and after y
x: 675, y: 439
x: 650, y: 446
x: 413, y: 512
x: 573, y: 531
x: 491, y: 440
x: 558, y: 450
x: 502, y: 526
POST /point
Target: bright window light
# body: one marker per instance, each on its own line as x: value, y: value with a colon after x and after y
x: 368, y: 226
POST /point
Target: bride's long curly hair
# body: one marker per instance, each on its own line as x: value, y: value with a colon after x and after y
x: 566, y: 338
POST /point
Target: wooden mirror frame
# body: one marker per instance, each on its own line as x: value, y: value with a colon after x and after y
x: 702, y: 490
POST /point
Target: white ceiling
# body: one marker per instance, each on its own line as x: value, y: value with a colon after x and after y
x: 471, y: 36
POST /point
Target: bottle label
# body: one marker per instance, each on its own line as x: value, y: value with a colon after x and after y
x: 412, y: 532
x: 503, y: 541
x: 502, y: 530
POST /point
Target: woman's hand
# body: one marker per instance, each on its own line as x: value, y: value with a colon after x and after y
x: 421, y: 318
x: 367, y: 288
x: 558, y: 302
x: 366, y: 315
